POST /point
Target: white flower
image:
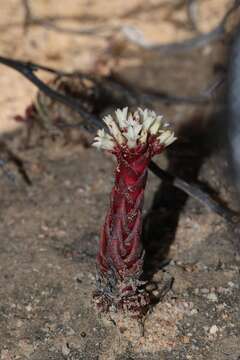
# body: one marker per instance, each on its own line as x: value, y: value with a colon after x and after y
x: 122, y: 117
x: 156, y: 125
x: 104, y: 141
x: 167, y: 138
x: 134, y: 129
x: 114, y: 129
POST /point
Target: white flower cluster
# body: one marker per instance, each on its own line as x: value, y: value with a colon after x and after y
x: 133, y: 129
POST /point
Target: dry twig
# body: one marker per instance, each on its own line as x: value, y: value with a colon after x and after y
x: 91, y: 121
x: 50, y: 23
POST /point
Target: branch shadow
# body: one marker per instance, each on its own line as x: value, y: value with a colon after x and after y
x: 185, y: 159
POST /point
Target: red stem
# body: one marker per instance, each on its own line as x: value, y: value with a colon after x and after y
x: 120, y: 257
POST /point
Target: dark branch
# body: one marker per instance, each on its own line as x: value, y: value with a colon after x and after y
x: 27, y: 70
x: 11, y: 157
x: 194, y: 191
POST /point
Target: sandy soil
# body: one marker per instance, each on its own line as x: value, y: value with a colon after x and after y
x: 49, y: 230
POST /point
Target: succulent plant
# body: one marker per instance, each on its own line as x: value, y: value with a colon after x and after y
x: 134, y: 139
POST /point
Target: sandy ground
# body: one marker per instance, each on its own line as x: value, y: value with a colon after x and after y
x: 49, y: 230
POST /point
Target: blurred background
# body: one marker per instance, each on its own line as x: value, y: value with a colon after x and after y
x: 85, y: 33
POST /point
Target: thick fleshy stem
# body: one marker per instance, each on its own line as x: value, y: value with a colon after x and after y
x: 134, y: 140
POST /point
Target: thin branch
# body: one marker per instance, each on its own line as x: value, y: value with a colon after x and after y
x: 35, y: 67
x: 96, y: 30
x: 136, y: 37
x: 27, y: 70
x: 145, y: 8
x: 192, y: 13
x: 193, y: 190
x: 146, y: 95
x: 11, y: 157
x: 27, y: 14
x: 31, y: 20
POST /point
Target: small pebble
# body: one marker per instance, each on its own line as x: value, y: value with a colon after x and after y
x: 213, y: 330
x: 70, y: 331
x: 19, y: 323
x: 212, y: 297
x: 220, y: 307
x: 193, y: 312
x: 185, y: 339
x: 65, y: 349
x: 29, y: 307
